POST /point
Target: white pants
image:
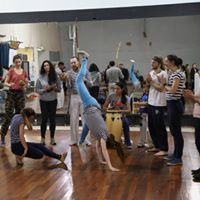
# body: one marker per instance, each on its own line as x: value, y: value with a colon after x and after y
x: 60, y: 98
x: 76, y: 109
x: 144, y: 136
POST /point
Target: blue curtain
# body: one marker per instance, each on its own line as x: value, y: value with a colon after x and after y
x: 4, y: 56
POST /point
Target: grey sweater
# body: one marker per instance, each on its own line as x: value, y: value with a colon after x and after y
x: 42, y: 81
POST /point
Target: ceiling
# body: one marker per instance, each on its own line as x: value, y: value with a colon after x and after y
x: 102, y: 14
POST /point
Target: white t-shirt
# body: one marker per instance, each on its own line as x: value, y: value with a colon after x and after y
x: 157, y: 98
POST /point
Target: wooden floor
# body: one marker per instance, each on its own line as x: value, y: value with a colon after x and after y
x: 142, y: 176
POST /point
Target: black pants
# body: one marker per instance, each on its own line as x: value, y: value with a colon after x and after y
x: 157, y: 129
x: 197, y: 133
x: 35, y: 151
x: 15, y: 102
x: 175, y: 112
x: 48, y: 111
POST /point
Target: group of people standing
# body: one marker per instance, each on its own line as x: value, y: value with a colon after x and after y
x: 164, y: 88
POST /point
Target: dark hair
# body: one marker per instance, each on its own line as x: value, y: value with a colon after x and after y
x: 112, y: 63
x: 77, y: 58
x: 52, y: 76
x: 159, y: 60
x: 124, y: 93
x: 183, y: 67
x: 144, y: 83
x: 60, y: 63
x: 174, y: 59
x: 179, y: 62
x: 17, y: 57
x: 93, y: 68
x: 28, y: 112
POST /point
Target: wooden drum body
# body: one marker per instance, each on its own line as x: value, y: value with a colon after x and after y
x: 114, y: 124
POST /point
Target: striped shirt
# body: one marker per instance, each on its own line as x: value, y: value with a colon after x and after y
x: 71, y: 83
x: 17, y: 120
x: 177, y: 95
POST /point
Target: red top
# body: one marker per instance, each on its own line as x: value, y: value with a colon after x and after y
x: 16, y: 78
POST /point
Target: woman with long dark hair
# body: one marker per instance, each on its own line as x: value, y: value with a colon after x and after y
x: 120, y: 101
x: 16, y: 80
x: 174, y: 90
x: 47, y: 85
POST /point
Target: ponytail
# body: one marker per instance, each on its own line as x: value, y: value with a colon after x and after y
x: 26, y: 114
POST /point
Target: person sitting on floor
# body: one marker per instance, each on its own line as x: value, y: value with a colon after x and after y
x: 19, y: 147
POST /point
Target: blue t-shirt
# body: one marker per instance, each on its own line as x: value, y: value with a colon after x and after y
x: 144, y: 98
x: 17, y: 120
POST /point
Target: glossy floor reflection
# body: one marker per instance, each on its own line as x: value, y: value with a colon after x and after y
x: 142, y: 176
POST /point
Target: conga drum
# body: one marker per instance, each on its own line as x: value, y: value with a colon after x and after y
x: 109, y: 119
x: 117, y: 128
x: 114, y: 124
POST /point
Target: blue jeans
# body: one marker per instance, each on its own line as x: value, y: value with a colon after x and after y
x: 175, y: 112
x: 83, y: 92
x: 84, y: 133
x: 35, y: 150
x: 125, y: 125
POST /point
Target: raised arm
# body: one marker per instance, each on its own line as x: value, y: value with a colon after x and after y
x: 133, y: 78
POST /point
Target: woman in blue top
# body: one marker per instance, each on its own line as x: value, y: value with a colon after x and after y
x: 93, y: 118
x: 20, y: 147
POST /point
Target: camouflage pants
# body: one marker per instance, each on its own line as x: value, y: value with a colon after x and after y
x: 15, y: 101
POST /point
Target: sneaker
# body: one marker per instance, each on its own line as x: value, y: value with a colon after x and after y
x: 169, y: 157
x: 153, y: 150
x: 196, y: 171
x: 88, y: 144
x: 174, y: 162
x: 53, y: 141
x: 140, y: 145
x: 42, y: 141
x: 83, y: 147
x: 129, y: 146
x: 197, y: 180
x: 196, y: 177
x: 161, y: 153
x: 148, y: 145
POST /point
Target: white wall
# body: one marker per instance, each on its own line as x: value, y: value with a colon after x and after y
x: 33, y: 35
x: 169, y: 35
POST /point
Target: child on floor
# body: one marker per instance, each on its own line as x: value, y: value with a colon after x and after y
x: 143, y: 110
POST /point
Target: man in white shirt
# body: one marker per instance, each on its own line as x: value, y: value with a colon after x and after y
x: 157, y: 104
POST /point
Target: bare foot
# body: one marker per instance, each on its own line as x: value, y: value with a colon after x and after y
x: 19, y: 160
x: 114, y: 169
